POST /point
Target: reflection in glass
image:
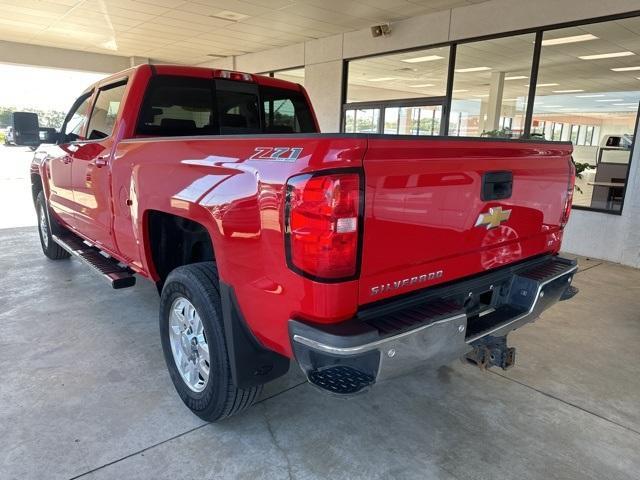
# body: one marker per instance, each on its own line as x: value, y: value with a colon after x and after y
x: 415, y: 74
x: 490, y: 88
x: 592, y: 103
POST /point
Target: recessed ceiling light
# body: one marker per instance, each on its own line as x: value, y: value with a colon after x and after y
x: 567, y: 91
x: 625, y: 69
x: 459, y: 91
x: 572, y: 39
x: 511, y: 99
x: 517, y: 77
x: 420, y: 85
x: 545, y: 85
x: 552, y: 106
x: 606, y: 55
x: 381, y: 79
x: 484, y: 95
x: 610, y: 100
x: 427, y: 58
x: 624, y: 104
x: 472, y: 69
x: 594, y: 95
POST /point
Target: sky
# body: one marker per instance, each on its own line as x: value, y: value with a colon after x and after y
x: 42, y: 88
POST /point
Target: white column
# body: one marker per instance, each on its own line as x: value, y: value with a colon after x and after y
x: 323, y: 83
x: 494, y: 103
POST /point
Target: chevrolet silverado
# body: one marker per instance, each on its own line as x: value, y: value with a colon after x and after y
x: 355, y: 256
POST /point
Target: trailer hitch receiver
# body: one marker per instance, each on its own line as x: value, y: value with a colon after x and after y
x: 492, y: 352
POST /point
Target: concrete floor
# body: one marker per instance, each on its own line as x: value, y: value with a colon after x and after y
x: 84, y: 393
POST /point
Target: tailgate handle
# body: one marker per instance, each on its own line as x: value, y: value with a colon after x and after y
x: 496, y: 186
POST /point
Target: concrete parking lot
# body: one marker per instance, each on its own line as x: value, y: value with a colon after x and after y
x: 84, y: 392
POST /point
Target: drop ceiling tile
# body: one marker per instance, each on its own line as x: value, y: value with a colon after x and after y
x: 131, y: 5
x: 203, y: 19
x: 160, y: 29
x: 26, y: 19
x: 21, y: 9
x: 355, y: 9
x: 162, y: 3
x: 342, y: 19
x: 243, y: 27
x: 17, y: 24
x: 37, y: 5
x: 95, y: 6
x: 187, y: 27
x: 94, y: 17
x: 239, y: 6
x: 285, y: 20
x: 272, y: 4
x: 69, y: 3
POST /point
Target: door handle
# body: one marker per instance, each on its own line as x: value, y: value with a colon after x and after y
x: 102, y: 161
x: 67, y: 159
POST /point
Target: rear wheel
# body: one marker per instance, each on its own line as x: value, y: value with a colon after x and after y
x: 50, y: 248
x: 195, y: 350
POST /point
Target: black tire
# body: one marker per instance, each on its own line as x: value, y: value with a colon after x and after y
x: 50, y: 248
x: 198, y: 283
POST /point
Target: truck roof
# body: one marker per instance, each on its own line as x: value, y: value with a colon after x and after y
x: 202, y: 72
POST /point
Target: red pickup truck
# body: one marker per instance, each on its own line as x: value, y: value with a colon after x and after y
x: 356, y: 256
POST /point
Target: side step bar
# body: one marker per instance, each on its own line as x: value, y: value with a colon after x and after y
x: 107, y: 267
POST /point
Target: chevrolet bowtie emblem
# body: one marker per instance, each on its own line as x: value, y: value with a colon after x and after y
x: 494, y: 218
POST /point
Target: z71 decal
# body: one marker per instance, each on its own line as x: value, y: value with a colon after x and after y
x: 278, y: 154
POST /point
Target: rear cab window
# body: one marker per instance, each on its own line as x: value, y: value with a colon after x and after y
x: 186, y: 106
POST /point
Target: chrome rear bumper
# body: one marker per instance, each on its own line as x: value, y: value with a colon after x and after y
x: 431, y: 329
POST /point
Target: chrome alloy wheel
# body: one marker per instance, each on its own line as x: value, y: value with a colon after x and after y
x: 44, y: 228
x: 189, y: 344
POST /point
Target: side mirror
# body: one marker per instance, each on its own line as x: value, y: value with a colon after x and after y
x: 25, y: 129
x: 48, y: 135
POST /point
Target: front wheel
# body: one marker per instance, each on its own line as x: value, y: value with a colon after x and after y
x: 194, y: 346
x: 50, y: 248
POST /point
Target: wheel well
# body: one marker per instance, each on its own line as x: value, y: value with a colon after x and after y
x: 176, y: 241
x: 36, y: 186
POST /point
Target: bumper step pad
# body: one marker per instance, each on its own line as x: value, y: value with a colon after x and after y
x: 108, y: 267
x: 341, y: 380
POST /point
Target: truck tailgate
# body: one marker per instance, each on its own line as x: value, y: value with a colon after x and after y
x: 425, y: 218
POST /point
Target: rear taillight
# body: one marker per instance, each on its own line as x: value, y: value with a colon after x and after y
x: 323, y: 221
x: 566, y: 211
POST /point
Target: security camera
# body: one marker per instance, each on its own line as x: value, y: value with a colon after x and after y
x: 381, y: 30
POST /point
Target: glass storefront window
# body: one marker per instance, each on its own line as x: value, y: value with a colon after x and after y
x: 416, y: 74
x: 491, y: 83
x: 588, y: 91
x: 295, y: 75
x: 420, y: 120
x: 362, y: 120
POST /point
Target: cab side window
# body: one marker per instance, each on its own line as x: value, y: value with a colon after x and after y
x: 105, y: 111
x: 74, y: 126
x: 286, y: 111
